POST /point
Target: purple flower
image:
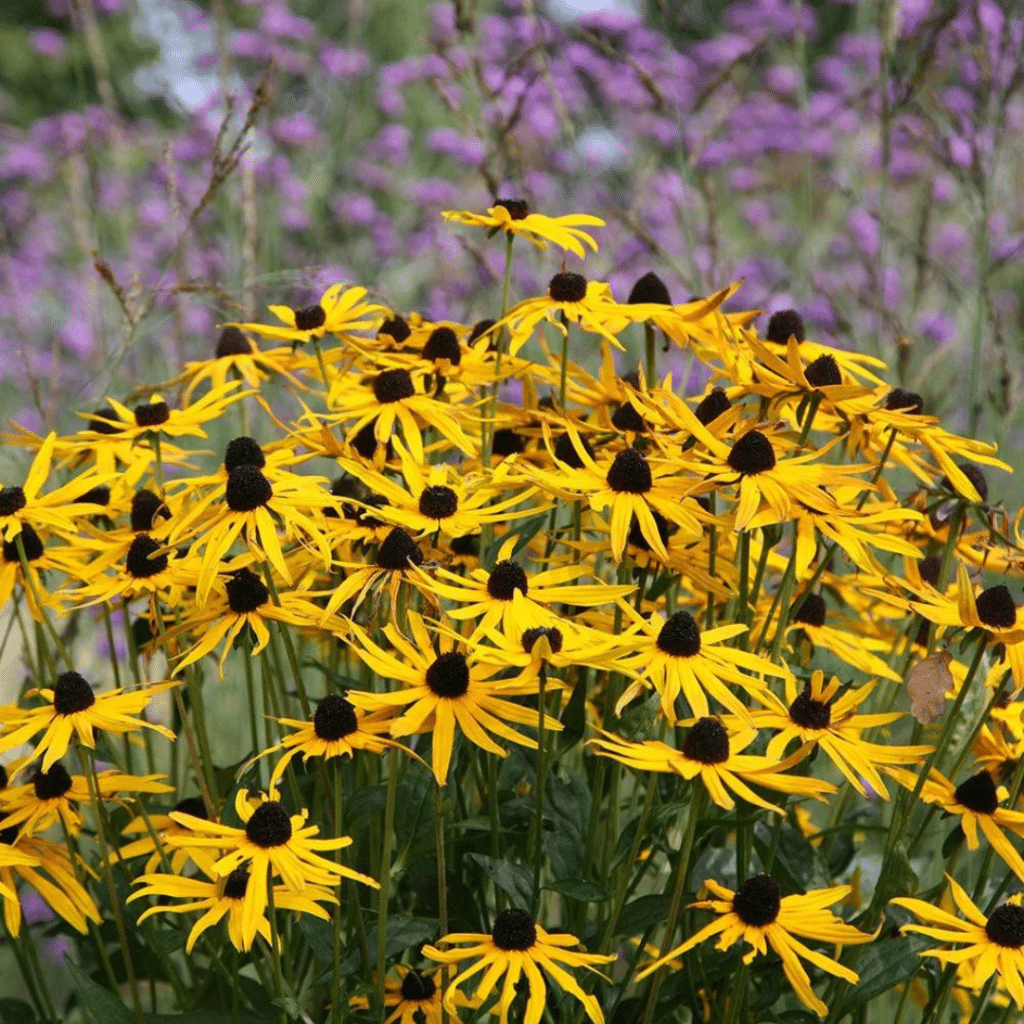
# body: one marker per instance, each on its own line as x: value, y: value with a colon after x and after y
x: 344, y: 64
x: 297, y: 131
x: 935, y: 326
x: 49, y: 43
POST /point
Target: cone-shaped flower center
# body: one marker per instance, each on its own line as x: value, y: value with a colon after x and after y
x: 567, y: 287
x: 978, y: 794
x: 71, y: 694
x: 416, y: 987
x: 30, y: 542
x: 309, y: 318
x: 398, y: 550
x: 152, y: 415
x: 237, y: 883
x: 996, y: 607
x: 243, y: 451
x: 246, y: 592
x: 395, y: 327
x: 785, y: 324
x: 531, y: 636
x: 906, y: 401
x: 680, y: 636
x: 758, y: 901
x: 52, y: 784
x: 823, y: 372
x: 101, y: 425
x: 480, y: 328
x: 448, y: 676
x: 506, y: 578
x: 809, y: 713
x: 707, y: 742
x: 334, y: 717
x: 12, y: 499
x: 443, y: 344
x: 626, y: 417
x: 232, y: 342
x: 192, y: 805
x: 269, y: 825
x: 247, y: 489
x: 138, y: 562
x: 975, y: 474
x: 752, y: 454
x: 438, y: 502
x: 630, y: 473
x: 517, y: 209
x: 393, y: 386
x: 514, y: 930
x: 650, y: 288
x: 636, y: 535
x: 95, y: 496
x: 712, y: 405
x: 507, y: 442
x: 1005, y: 927
x: 565, y: 451
x: 812, y: 611
x: 146, y: 506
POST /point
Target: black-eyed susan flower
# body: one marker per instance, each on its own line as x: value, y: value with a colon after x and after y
x: 338, y: 729
x: 272, y: 844
x: 989, y: 945
x: 977, y: 802
x: 514, y: 217
x: 712, y: 753
x: 507, y: 595
x: 54, y: 794
x: 340, y: 310
x: 678, y: 658
x: 153, y: 835
x: 414, y: 996
x: 40, y: 556
x: 45, y: 867
x: 73, y: 709
x: 235, y: 354
x: 225, y: 897
x: 443, y: 691
x: 817, y: 714
x: 518, y: 947
x: 759, y: 914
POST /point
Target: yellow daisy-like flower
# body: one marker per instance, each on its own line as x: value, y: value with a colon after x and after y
x: 47, y: 868
x: 442, y: 691
x: 759, y: 914
x: 993, y: 944
x: 340, y: 310
x: 338, y: 729
x: 816, y: 715
x: 53, y: 793
x: 976, y: 800
x: 226, y: 897
x: 676, y: 657
x: 161, y: 826
x: 414, y: 997
x: 236, y: 354
x: 712, y: 753
x: 518, y: 947
x: 513, y: 216
x: 73, y: 709
x: 273, y: 843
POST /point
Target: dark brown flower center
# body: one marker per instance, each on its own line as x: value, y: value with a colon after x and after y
x: 192, y: 805
x: 105, y: 421
x: 398, y: 550
x: 650, y: 288
x: 236, y: 884
x: 707, y: 742
x: 95, y: 496
x: 53, y: 784
x: 1005, y: 926
x: 152, y: 415
x: 636, y: 535
x: 269, y: 825
x: 996, y: 607
x: 246, y: 592
x: 565, y: 451
x: 823, y: 372
x: 978, y: 794
x: 680, y: 636
x: 12, y: 500
x: 567, y: 287
x: 812, y: 611
x: 531, y: 636
x: 905, y: 401
x: 758, y: 901
x: 438, y: 502
x: 809, y: 713
x: 752, y: 454
x: 334, y: 718
x: 232, y: 342
x: 448, y: 676
x: 626, y: 417
x: 785, y: 324
x: 395, y: 327
x: 514, y: 930
x: 30, y: 543
x: 975, y: 474
x: 443, y: 344
x: 309, y: 318
x: 629, y: 473
x: 247, y: 489
x: 139, y: 562
x: 417, y: 987
x: 480, y: 328
x: 505, y: 579
x: 243, y: 451
x: 507, y: 442
x: 712, y: 405
x: 393, y: 386
x: 518, y: 209
x: 146, y: 506
x: 71, y: 694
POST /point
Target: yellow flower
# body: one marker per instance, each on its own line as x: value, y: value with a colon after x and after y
x: 518, y: 947
x: 513, y: 216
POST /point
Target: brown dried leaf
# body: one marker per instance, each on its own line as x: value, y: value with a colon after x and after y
x: 927, y: 684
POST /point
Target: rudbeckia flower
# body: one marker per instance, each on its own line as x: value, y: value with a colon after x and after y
x: 163, y: 825
x: 72, y: 709
x: 339, y: 311
x: 759, y: 914
x: 990, y: 945
x: 677, y: 658
x: 272, y: 843
x: 51, y: 794
x: 815, y: 715
x: 47, y: 868
x: 712, y: 753
x: 518, y: 948
x: 226, y: 897
x: 513, y: 216
x: 977, y: 802
x: 40, y: 556
x: 414, y: 997
x: 444, y: 690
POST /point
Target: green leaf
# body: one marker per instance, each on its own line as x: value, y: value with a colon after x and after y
x: 882, y: 966
x: 290, y: 1005
x: 952, y: 842
x: 513, y: 879
x: 566, y: 851
x: 897, y: 877
x: 320, y: 936
x: 642, y: 913
x: 574, y: 718
x: 14, y: 1011
x: 414, y: 822
x: 101, y: 1006
x: 524, y: 531
x: 580, y: 890
x: 796, y: 860
x: 213, y: 1017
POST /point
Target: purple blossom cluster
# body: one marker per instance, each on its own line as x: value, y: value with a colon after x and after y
x: 866, y: 177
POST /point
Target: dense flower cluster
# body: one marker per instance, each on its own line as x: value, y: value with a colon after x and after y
x: 432, y: 594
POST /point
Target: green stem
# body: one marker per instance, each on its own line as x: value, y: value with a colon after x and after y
x: 336, y: 936
x: 651, y: 350
x: 275, y: 942
x: 385, y: 875
x: 442, y: 885
x: 538, y: 791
